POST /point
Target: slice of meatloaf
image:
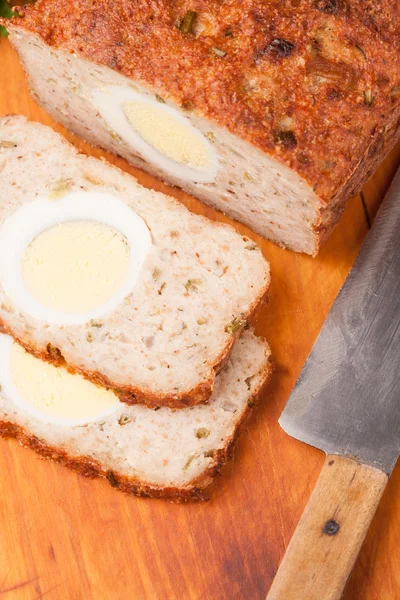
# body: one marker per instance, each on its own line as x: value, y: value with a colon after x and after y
x: 162, y: 344
x: 299, y: 99
x: 165, y: 453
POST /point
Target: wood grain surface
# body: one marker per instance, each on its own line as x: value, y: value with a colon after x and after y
x: 64, y: 538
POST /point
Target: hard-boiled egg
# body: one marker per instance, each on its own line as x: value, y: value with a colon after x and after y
x: 50, y: 393
x: 159, y: 133
x: 74, y: 259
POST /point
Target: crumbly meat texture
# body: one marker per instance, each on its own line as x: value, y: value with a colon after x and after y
x: 164, y: 453
x: 314, y: 84
x: 199, y: 286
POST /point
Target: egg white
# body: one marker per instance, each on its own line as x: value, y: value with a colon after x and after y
x: 31, y: 219
x: 12, y: 394
x: 109, y: 104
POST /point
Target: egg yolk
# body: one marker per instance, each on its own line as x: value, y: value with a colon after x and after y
x: 55, y: 392
x: 168, y: 135
x: 75, y: 266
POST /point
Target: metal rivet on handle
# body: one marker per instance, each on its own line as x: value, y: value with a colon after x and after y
x: 331, y: 527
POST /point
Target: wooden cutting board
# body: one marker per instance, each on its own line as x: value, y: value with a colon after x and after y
x: 68, y: 538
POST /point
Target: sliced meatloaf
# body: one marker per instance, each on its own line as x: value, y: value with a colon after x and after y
x: 298, y: 99
x: 201, y: 281
x: 165, y: 453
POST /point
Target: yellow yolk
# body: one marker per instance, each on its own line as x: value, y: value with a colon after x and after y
x: 75, y: 266
x: 55, y: 392
x: 168, y: 135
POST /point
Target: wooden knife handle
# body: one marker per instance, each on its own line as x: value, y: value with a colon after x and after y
x: 329, y: 535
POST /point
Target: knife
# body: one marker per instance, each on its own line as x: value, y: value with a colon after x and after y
x: 346, y: 402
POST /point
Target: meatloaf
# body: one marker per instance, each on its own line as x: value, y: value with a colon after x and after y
x: 296, y: 101
x: 164, y: 342
x: 166, y: 453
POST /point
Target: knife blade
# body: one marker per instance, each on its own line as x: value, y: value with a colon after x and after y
x: 346, y: 402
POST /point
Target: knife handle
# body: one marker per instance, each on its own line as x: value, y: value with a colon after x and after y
x: 329, y: 535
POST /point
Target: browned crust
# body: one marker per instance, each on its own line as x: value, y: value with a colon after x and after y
x: 132, y: 395
x: 333, y: 124
x: 130, y: 485
x: 380, y: 145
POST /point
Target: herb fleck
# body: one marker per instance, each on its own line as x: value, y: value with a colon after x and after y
x: 5, y: 11
x: 235, y: 325
x: 124, y: 419
x: 7, y: 144
x: 92, y: 180
x: 159, y: 99
x: 96, y: 323
x: 89, y: 337
x: 188, y: 20
x: 189, y: 461
x: 60, y: 188
x: 192, y: 284
x: 111, y: 479
x: 368, y: 97
x: 251, y: 247
x: 75, y: 88
x: 202, y: 433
